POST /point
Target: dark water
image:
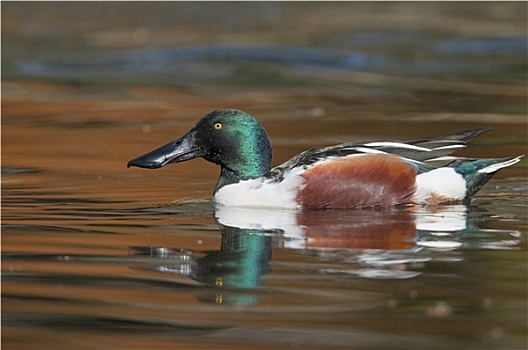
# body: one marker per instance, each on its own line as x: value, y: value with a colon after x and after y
x: 95, y: 255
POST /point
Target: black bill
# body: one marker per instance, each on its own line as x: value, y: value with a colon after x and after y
x: 176, y: 151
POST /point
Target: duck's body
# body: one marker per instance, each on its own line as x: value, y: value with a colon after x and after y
x: 349, y: 175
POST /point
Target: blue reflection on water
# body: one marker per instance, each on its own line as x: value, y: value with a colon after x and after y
x: 216, y: 61
x: 482, y: 45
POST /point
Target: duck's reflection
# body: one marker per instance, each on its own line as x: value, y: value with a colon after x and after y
x: 239, y: 264
x: 382, y: 243
x: 385, y: 229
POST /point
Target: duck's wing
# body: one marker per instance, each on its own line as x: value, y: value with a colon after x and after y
x: 434, y: 151
x: 425, y: 154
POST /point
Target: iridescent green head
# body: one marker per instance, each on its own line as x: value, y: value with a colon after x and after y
x: 228, y: 137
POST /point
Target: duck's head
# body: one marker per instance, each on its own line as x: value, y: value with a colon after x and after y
x: 228, y: 137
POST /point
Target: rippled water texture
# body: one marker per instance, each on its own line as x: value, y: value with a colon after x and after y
x: 98, y: 256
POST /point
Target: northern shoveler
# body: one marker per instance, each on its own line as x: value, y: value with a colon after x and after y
x: 349, y: 175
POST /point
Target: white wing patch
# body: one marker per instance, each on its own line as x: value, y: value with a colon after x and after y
x: 397, y: 144
x: 449, y: 147
x: 367, y: 151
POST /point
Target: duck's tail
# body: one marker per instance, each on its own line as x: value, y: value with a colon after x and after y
x: 477, y: 172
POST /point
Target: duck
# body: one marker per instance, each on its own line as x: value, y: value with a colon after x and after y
x: 344, y: 176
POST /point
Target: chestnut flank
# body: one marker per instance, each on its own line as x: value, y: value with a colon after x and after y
x: 358, y: 181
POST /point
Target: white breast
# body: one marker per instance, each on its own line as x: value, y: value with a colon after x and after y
x: 259, y: 193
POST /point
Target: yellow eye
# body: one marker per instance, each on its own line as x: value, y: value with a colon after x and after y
x: 218, y: 126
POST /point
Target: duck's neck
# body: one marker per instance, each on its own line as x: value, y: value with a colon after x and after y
x: 227, y: 177
x: 249, y: 164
